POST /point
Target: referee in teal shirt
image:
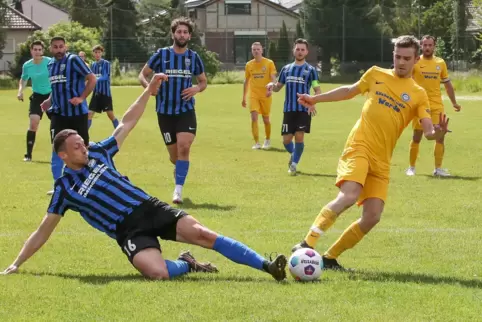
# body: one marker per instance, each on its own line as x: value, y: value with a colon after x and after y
x: 36, y: 70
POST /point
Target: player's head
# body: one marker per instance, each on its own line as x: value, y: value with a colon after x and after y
x: 71, y: 148
x: 82, y: 55
x: 257, y: 49
x: 405, y: 55
x: 37, y: 49
x: 181, y: 29
x: 300, y: 49
x: 58, y: 48
x: 428, y: 46
x: 98, y: 51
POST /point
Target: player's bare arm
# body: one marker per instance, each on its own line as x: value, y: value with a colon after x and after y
x: 145, y: 72
x: 449, y: 88
x: 274, y: 87
x: 91, y: 80
x: 21, y: 87
x: 135, y: 111
x: 47, y: 103
x: 34, y: 242
x: 245, y: 91
x: 202, y: 83
x: 436, y: 132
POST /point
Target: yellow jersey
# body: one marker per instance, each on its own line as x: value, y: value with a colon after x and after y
x: 392, y: 102
x: 258, y: 76
x: 429, y: 73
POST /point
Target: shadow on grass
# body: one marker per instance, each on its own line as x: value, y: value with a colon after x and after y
x: 273, y: 149
x: 300, y: 173
x: 467, y: 178
x: 188, y: 204
x: 196, y: 277
x: 414, y: 278
x: 40, y: 162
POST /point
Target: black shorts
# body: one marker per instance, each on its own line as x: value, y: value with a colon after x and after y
x: 152, y: 219
x: 35, y: 100
x: 78, y: 123
x: 296, y: 122
x: 170, y: 125
x: 100, y: 103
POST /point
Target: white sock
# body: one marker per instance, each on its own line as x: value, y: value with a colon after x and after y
x: 178, y: 188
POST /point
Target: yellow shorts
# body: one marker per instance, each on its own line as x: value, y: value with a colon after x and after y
x: 435, y: 118
x: 260, y: 105
x: 358, y: 166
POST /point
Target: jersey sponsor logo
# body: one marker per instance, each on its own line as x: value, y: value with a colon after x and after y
x: 57, y: 79
x: 294, y: 79
x: 91, y: 180
x: 184, y: 73
x: 390, y: 102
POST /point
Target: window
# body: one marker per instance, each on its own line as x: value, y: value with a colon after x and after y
x: 193, y: 14
x: 238, y: 8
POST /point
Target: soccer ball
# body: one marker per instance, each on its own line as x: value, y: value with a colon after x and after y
x: 305, y: 265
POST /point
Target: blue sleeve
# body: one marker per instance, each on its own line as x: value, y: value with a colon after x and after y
x: 314, y: 74
x: 155, y: 61
x: 110, y: 145
x: 79, y: 66
x: 58, y: 204
x: 199, y: 65
x: 25, y: 76
x: 282, y: 76
x: 105, y: 71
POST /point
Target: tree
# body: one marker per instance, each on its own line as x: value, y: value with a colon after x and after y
x: 299, y: 30
x: 77, y: 37
x: 87, y: 12
x: 283, y: 47
x: 272, y: 52
x: 3, y: 22
x: 121, y: 35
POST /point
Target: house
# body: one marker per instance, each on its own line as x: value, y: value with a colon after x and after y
x: 18, y: 28
x: 44, y: 13
x: 229, y: 27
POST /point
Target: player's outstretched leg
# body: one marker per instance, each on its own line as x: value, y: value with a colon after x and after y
x: 348, y: 195
x: 150, y: 263
x: 189, y: 230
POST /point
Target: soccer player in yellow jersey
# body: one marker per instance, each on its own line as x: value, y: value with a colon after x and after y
x: 393, y: 100
x: 258, y: 73
x: 429, y: 72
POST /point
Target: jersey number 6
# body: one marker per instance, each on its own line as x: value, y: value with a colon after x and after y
x: 130, y: 247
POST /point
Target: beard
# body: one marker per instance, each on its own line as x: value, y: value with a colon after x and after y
x: 180, y: 43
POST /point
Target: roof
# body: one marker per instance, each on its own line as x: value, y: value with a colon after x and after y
x: 289, y: 4
x: 272, y: 3
x: 15, y: 20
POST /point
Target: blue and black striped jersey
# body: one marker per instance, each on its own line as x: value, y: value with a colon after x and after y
x: 101, y: 70
x: 180, y: 68
x: 298, y: 79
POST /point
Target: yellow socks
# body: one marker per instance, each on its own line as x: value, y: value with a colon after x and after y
x: 267, y: 130
x: 326, y: 218
x: 438, y: 153
x: 255, y: 131
x: 350, y: 237
x: 413, y: 153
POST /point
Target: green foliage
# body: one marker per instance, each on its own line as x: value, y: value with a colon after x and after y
x: 283, y: 48
x: 299, y: 31
x: 2, y: 23
x: 115, y: 69
x: 77, y: 37
x: 87, y: 12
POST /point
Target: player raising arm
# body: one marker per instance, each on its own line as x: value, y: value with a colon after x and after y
x: 109, y: 202
x: 394, y: 99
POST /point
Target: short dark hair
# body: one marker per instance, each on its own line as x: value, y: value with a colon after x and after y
x: 182, y: 21
x: 430, y: 37
x: 98, y: 47
x: 60, y: 138
x: 37, y: 43
x: 57, y: 38
x: 301, y: 41
x: 408, y: 42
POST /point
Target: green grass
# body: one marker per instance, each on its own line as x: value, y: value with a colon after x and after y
x: 422, y: 262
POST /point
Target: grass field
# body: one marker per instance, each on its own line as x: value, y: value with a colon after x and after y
x: 423, y: 262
